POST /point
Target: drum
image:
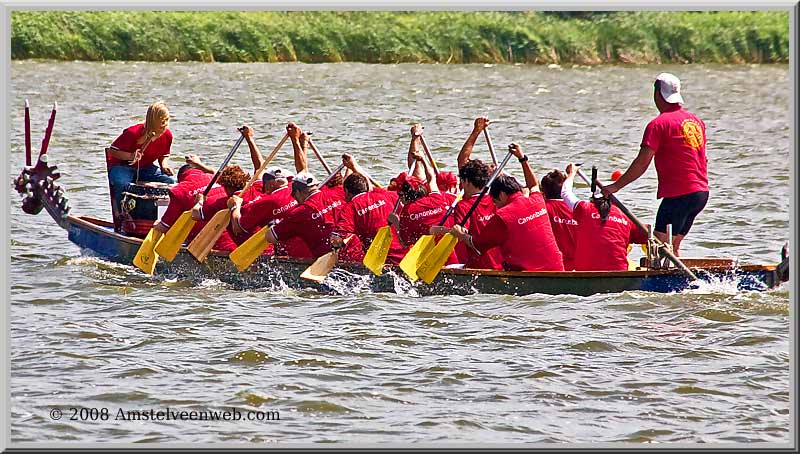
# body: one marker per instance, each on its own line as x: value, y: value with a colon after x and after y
x: 143, y: 204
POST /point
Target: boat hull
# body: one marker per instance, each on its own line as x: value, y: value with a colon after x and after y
x: 97, y: 238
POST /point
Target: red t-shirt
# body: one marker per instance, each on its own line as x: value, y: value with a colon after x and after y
x: 225, y: 242
x: 367, y: 213
x: 312, y: 221
x: 679, y: 140
x: 565, y: 229
x: 333, y: 194
x: 254, y: 192
x: 489, y: 260
x: 604, y: 246
x: 127, y: 141
x: 417, y: 217
x: 181, y: 196
x: 271, y: 208
x: 522, y: 230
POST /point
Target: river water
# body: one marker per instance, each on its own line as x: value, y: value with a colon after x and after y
x: 703, y: 366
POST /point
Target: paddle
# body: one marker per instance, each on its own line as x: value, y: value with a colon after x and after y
x: 319, y: 156
x: 413, y: 258
x: 201, y: 246
x: 428, y: 153
x: 433, y: 263
x: 146, y: 257
x: 322, y: 266
x: 661, y: 246
x: 247, y: 253
x: 379, y: 249
x: 171, y: 242
x: 27, y: 134
x: 491, y: 146
x: 328, y: 169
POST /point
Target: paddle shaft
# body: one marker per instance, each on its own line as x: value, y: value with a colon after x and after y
x: 397, y: 204
x: 27, y: 134
x: 429, y: 155
x: 319, y: 156
x: 330, y: 175
x: 222, y: 166
x: 485, y: 189
x: 264, y: 165
x: 640, y: 225
x: 491, y: 146
x: 49, y: 131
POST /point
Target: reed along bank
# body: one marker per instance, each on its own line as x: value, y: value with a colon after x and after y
x: 393, y: 37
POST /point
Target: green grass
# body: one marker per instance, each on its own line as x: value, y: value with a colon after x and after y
x: 392, y: 37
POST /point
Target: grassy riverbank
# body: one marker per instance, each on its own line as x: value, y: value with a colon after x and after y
x: 389, y: 37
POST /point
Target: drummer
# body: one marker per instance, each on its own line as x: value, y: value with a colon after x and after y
x: 132, y: 155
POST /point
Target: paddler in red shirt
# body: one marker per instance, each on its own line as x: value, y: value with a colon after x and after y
x: 520, y: 227
x: 332, y: 190
x: 565, y: 227
x: 131, y: 157
x: 473, y: 176
x: 448, y: 185
x: 193, y: 178
x: 312, y: 220
x: 604, y: 232
x: 366, y: 211
x: 421, y: 208
x: 677, y: 140
x: 232, y: 179
x: 267, y: 206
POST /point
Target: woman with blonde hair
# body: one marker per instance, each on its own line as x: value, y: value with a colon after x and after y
x: 132, y: 156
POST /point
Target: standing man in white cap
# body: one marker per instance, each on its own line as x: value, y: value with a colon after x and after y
x: 677, y: 140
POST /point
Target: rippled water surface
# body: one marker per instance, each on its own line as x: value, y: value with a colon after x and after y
x: 709, y: 365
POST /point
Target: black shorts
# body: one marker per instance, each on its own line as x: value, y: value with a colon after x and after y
x: 680, y: 212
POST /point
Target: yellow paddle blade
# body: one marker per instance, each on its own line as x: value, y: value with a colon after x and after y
x: 319, y: 270
x: 205, y: 240
x: 378, y: 250
x: 433, y: 263
x: 247, y: 252
x: 414, y: 256
x: 171, y: 242
x: 146, y: 256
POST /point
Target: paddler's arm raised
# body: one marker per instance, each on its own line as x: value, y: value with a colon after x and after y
x: 255, y: 153
x: 480, y: 124
x: 413, y: 149
x: 569, y: 197
x: 353, y: 167
x: 429, y: 177
x: 530, y: 179
x: 299, y: 145
x: 635, y: 170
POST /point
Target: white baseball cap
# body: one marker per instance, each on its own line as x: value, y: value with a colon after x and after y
x: 276, y: 173
x: 670, y: 88
x: 303, y: 180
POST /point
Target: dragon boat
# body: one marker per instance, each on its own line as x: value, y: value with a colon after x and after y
x: 95, y: 237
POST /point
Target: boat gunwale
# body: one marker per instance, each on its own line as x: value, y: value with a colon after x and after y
x: 102, y: 227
